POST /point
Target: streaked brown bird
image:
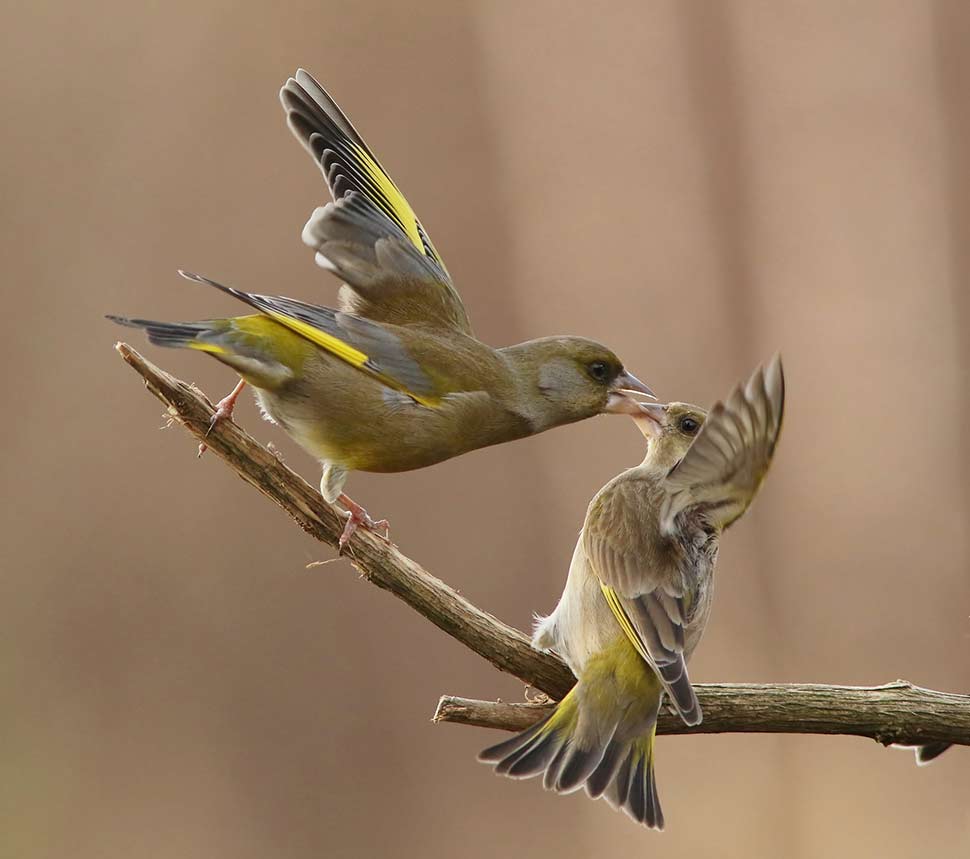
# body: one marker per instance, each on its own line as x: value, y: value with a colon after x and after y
x: 639, y: 594
x: 394, y: 379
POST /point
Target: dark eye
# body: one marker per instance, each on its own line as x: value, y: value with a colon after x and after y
x: 599, y: 370
x: 689, y: 425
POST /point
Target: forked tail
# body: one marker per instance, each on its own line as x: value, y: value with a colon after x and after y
x: 572, y: 748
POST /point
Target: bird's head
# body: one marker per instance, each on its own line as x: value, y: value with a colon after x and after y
x: 670, y: 429
x: 566, y: 379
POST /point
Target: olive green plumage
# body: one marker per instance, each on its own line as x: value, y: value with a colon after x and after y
x: 394, y: 379
x: 639, y: 594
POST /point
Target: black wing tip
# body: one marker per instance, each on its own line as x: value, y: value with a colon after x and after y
x: 685, y: 703
x: 208, y: 281
x: 134, y: 322
x: 190, y: 275
x: 694, y: 716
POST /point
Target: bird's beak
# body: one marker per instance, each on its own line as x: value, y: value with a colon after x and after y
x: 619, y: 401
x: 651, y: 420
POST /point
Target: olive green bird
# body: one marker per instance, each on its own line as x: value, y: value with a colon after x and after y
x: 638, y: 596
x: 394, y: 379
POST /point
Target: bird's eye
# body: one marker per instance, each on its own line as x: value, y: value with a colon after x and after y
x: 599, y: 370
x: 689, y: 425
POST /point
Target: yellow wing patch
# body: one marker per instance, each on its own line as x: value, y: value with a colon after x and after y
x: 211, y: 348
x: 613, y: 601
x: 332, y: 344
x: 397, y: 207
x: 345, y: 352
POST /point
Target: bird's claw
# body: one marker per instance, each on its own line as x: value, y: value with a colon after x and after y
x: 357, y: 517
x: 223, y: 411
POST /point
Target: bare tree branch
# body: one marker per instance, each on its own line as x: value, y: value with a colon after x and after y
x: 378, y: 562
x: 896, y: 713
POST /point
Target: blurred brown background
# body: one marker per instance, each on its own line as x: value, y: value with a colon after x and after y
x: 699, y: 184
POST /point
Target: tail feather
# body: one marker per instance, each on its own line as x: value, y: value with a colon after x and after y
x: 654, y: 815
x: 578, y: 766
x: 186, y: 334
x: 613, y: 764
x: 634, y: 790
x: 607, y: 769
x: 636, y: 803
x: 618, y: 792
x: 551, y: 775
x: 500, y: 751
x: 531, y: 761
x: 263, y: 352
x: 171, y: 334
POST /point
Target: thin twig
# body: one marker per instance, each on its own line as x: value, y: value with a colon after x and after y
x: 896, y: 713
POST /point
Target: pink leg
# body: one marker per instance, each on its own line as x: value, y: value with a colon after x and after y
x: 357, y: 517
x: 223, y: 410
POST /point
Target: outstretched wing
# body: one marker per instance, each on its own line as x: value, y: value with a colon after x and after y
x: 371, y: 348
x: 640, y: 586
x: 723, y: 468
x: 369, y: 235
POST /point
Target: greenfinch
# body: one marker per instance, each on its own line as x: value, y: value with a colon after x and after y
x: 638, y: 596
x: 394, y: 379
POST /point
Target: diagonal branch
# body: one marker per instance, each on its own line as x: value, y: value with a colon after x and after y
x: 896, y: 713
x: 378, y: 562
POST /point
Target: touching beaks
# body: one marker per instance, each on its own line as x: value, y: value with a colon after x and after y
x: 619, y: 401
x: 626, y: 381
x: 651, y: 419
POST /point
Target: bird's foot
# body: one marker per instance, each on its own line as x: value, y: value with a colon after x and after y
x: 357, y: 517
x: 223, y: 411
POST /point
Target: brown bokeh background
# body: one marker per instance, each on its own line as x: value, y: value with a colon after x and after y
x: 698, y: 184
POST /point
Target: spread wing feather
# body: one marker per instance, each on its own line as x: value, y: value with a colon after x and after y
x: 369, y: 235
x: 724, y: 467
